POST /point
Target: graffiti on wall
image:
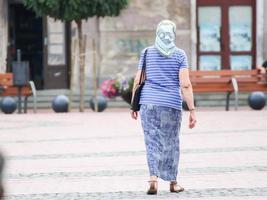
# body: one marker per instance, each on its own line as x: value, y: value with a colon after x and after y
x: 131, y: 45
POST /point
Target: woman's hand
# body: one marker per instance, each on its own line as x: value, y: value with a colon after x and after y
x: 134, y: 114
x: 192, y: 119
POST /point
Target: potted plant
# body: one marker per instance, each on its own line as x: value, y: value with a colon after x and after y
x: 126, y: 92
x: 120, y: 86
x: 108, y: 88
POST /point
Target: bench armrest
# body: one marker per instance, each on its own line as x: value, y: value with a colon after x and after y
x: 34, y: 93
x: 234, y: 83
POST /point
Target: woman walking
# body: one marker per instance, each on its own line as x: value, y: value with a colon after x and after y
x: 167, y: 76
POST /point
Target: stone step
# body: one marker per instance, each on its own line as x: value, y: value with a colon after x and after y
x: 45, y: 97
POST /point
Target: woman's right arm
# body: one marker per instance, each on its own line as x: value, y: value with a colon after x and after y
x: 187, y: 92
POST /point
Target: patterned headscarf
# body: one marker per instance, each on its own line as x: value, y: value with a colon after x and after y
x: 165, y: 37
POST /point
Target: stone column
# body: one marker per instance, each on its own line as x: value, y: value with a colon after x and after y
x: 3, y: 35
x: 260, y: 31
x: 193, y: 41
x: 265, y: 32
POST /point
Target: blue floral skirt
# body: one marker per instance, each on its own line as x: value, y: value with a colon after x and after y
x: 161, y: 127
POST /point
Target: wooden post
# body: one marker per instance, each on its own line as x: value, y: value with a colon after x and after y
x: 98, y: 53
x: 95, y: 77
x: 82, y: 46
x: 82, y: 72
x: 74, y: 58
x: 82, y: 57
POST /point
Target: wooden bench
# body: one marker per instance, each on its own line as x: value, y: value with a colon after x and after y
x: 228, y: 81
x: 7, y: 88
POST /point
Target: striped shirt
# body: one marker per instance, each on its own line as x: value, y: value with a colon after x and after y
x: 162, y: 85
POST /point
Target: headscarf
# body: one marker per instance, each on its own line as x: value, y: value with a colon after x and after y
x: 165, y: 37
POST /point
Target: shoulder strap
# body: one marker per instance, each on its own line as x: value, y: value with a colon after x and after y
x: 143, y: 68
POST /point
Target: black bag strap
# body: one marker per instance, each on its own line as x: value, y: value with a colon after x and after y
x: 143, y: 73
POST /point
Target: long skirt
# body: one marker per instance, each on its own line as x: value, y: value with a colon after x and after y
x: 161, y: 127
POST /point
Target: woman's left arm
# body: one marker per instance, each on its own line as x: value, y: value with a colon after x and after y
x: 134, y: 114
x: 188, y: 96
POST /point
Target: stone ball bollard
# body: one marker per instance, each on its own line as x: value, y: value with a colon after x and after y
x: 101, y: 102
x: 60, y: 104
x: 257, y: 100
x: 8, y: 105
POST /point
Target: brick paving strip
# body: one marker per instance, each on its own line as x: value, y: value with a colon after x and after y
x: 101, y: 156
x: 217, y: 192
x: 141, y: 172
x: 133, y: 153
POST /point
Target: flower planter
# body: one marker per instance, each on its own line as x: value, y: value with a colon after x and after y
x: 120, y: 86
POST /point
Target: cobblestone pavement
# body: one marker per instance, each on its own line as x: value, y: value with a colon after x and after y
x: 78, y: 156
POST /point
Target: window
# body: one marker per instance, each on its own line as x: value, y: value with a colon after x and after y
x: 226, y: 34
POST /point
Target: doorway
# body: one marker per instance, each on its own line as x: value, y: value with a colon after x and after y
x: 26, y: 35
x: 226, y: 34
x: 56, y: 51
x: 43, y: 42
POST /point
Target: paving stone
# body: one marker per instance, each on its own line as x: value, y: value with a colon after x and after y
x: 102, y: 156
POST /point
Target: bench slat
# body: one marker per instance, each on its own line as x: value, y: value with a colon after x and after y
x: 210, y: 80
x: 6, y: 81
x: 13, y: 91
x: 220, y: 81
x: 223, y: 72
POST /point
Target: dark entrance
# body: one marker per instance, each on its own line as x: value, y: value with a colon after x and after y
x: 43, y: 42
x: 26, y: 34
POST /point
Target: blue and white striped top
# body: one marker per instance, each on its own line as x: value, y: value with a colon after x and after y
x: 162, y: 86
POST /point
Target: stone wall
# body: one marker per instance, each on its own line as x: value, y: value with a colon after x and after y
x: 122, y: 38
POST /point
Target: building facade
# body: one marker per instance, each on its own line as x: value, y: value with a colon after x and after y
x: 215, y: 34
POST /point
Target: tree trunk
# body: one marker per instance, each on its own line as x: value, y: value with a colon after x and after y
x: 81, y: 64
x: 99, y: 58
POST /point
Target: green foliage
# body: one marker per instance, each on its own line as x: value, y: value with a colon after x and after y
x: 68, y: 10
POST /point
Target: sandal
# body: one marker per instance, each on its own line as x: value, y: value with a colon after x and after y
x: 174, y: 187
x: 153, y: 189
